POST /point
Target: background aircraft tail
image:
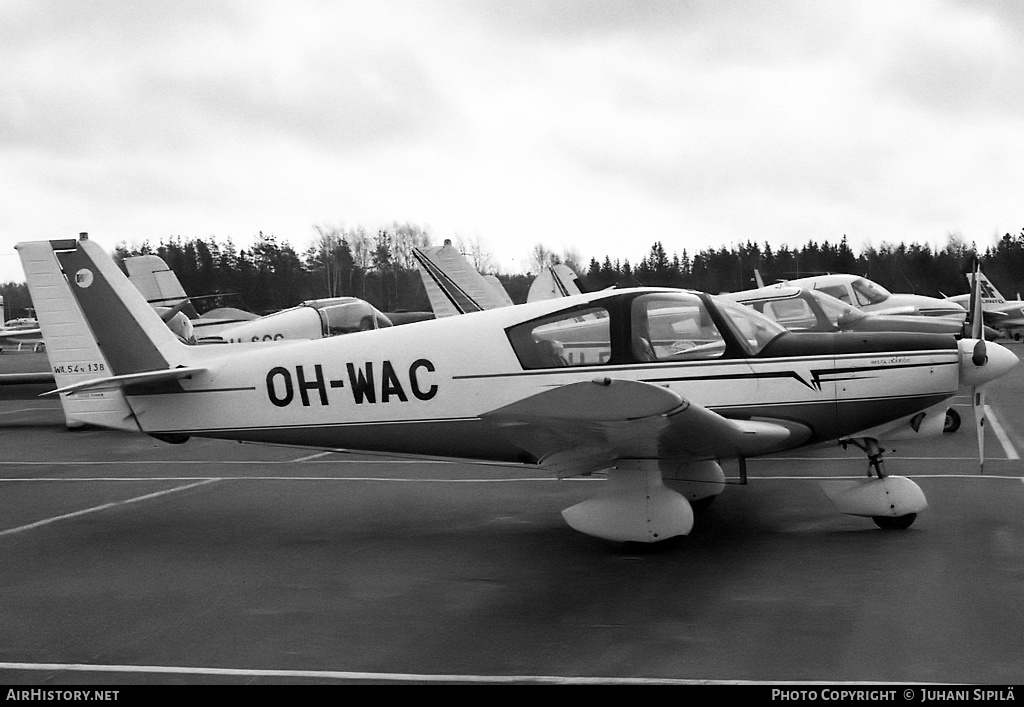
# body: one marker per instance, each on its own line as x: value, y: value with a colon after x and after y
x: 453, y: 285
x: 555, y: 281
x: 989, y: 293
x: 158, y: 283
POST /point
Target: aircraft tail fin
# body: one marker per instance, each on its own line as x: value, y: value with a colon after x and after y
x: 158, y: 283
x: 453, y: 285
x: 96, y: 326
x: 555, y: 281
x: 989, y: 293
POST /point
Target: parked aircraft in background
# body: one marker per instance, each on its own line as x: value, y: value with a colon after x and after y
x: 312, y: 319
x: 1005, y: 316
x: 808, y: 309
x: 653, y: 385
x: 805, y: 309
x: 872, y: 297
x: 21, y: 334
x: 454, y: 286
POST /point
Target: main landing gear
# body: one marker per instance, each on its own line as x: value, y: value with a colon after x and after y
x: 892, y: 502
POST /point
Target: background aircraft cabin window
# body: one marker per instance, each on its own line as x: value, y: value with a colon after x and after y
x: 838, y: 291
x: 674, y: 327
x: 868, y: 292
x: 347, y: 317
x: 577, y: 337
x: 838, y: 313
x: 794, y: 314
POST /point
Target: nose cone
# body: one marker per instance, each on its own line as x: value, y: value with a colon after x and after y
x: 984, y: 361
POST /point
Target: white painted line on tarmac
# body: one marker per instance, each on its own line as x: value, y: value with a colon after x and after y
x: 1011, y: 451
x: 15, y: 412
x: 388, y: 677
x: 103, y: 507
x: 312, y: 456
x: 864, y: 477
x: 230, y: 462
x: 207, y: 479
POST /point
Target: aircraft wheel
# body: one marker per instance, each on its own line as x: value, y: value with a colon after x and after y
x: 895, y: 523
x: 952, y: 423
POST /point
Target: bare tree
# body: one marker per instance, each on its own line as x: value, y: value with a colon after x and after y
x: 474, y: 251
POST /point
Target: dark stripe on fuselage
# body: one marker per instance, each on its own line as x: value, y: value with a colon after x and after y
x: 718, y: 363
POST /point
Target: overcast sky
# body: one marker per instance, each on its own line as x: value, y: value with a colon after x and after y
x: 599, y: 126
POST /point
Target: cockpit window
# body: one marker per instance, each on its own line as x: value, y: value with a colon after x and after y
x: 577, y: 337
x: 840, y: 292
x: 349, y: 317
x: 868, y: 292
x: 674, y: 327
x: 752, y: 330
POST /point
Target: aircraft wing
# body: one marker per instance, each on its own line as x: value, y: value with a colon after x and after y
x: 26, y: 378
x: 21, y: 335
x: 586, y: 426
x: 1004, y: 317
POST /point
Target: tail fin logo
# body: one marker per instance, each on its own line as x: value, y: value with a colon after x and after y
x: 83, y: 278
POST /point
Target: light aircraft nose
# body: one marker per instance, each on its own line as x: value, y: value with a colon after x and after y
x: 983, y: 361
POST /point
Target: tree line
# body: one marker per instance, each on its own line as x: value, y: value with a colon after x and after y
x: 380, y: 268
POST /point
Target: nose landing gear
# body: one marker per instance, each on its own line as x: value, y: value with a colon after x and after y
x: 892, y: 502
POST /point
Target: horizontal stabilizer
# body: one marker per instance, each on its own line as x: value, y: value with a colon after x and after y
x: 128, y: 379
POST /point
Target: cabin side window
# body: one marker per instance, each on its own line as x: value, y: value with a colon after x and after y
x: 577, y: 337
x: 840, y: 292
x: 674, y: 327
x: 794, y: 314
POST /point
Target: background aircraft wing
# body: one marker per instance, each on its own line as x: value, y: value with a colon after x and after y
x: 17, y: 336
x: 585, y: 426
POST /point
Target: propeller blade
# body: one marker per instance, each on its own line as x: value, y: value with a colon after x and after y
x: 978, y: 407
x: 977, y: 315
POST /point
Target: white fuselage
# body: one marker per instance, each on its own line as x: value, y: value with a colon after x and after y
x: 421, y: 388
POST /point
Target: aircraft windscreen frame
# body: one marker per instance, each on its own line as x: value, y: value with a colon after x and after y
x: 656, y: 327
x: 869, y: 291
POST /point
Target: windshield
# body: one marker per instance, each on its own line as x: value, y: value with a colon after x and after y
x: 838, y: 313
x: 752, y: 329
x: 349, y: 316
x: 868, y: 292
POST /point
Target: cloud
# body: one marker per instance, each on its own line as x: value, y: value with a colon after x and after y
x: 593, y: 125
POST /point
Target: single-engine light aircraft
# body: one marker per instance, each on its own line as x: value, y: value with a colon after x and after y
x: 809, y: 309
x: 872, y: 297
x: 654, y: 385
x: 1003, y: 315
